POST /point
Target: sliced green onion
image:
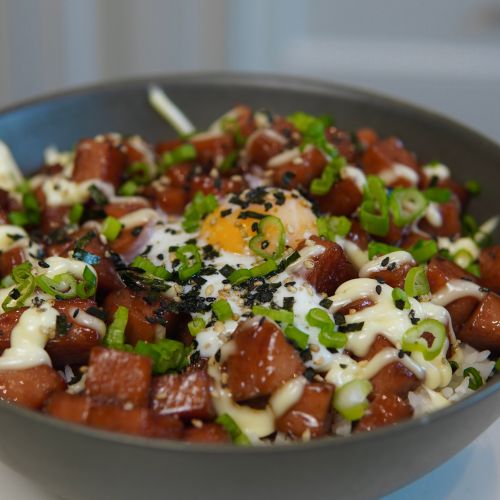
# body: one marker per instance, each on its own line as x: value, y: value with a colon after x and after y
x: 18, y: 218
x: 406, y: 205
x: 222, y: 310
x: 332, y: 226
x: 25, y: 286
x: 241, y: 275
x: 321, y: 319
x: 332, y: 340
x: 190, y: 258
x: 463, y: 258
x: 111, y: 228
x: 148, y: 267
x: 196, y: 325
x: 237, y: 435
x: 351, y: 399
x: 413, y: 341
x: 75, y: 214
x: 200, y: 206
x: 469, y: 225
x: 400, y: 299
x: 474, y: 269
x: 88, y: 286
x: 269, y: 242
x: 181, y: 154
x: 298, y: 337
x: 377, y: 248
x: 229, y: 124
x: 423, y: 250
x: 322, y: 185
x: 278, y: 315
x: 475, y: 379
x: 168, y: 355
x: 115, y: 334
x: 416, y: 283
x: 437, y: 194
x: 128, y: 188
x: 62, y: 286
x: 473, y: 187
x: 139, y: 172
x: 304, y: 121
x: 22, y: 272
x: 229, y: 161
x: 374, y: 211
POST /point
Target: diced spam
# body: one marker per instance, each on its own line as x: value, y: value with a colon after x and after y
x: 343, y: 198
x: 393, y: 277
x: 69, y: 407
x: 489, y: 263
x: 186, y: 395
x: 30, y: 386
x: 262, y: 360
x: 118, y: 377
x: 312, y: 413
x: 450, y: 220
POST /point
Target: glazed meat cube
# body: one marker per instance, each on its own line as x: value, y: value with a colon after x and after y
x: 262, y: 360
x: 11, y: 258
x: 311, y: 413
x: 70, y: 407
x: 186, y: 395
x: 450, y: 220
x: 327, y: 270
x: 30, y: 386
x: 119, y: 209
x: 385, y: 409
x: 343, y: 199
x: 262, y: 146
x: 171, y: 199
x: 211, y: 147
x: 489, y: 262
x: 394, y: 378
x: 215, y: 185
x: 96, y: 159
x: 138, y: 421
x: 8, y: 321
x: 358, y: 235
x: 482, y: 330
x: 118, y: 377
x: 393, y: 276
x: 207, y: 433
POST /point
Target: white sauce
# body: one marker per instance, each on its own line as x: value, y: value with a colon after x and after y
x: 139, y: 217
x: 287, y: 395
x: 442, y: 172
x: 282, y: 158
x: 60, y: 191
x: 399, y: 171
x: 433, y: 214
x: 375, y: 265
x: 457, y: 289
x: 88, y: 321
x: 60, y: 265
x: 467, y: 244
x: 28, y: 339
x: 354, y: 174
x: 10, y: 174
x: 6, y: 242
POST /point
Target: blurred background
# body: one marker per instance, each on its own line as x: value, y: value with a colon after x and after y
x: 443, y: 54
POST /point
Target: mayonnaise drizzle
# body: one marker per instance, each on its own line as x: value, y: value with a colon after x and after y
x: 139, y: 218
x: 433, y: 214
x: 10, y: 174
x: 354, y: 174
x: 457, y: 289
x: 88, y: 321
x: 442, y: 172
x: 399, y: 171
x: 6, y: 242
x: 375, y: 265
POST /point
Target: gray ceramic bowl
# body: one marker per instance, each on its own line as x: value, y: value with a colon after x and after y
x: 82, y: 463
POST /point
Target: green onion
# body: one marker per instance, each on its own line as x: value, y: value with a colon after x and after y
x: 229, y: 124
x: 413, y: 341
x: 139, y: 172
x: 167, y: 355
x: 437, y: 194
x: 374, y: 212
x: 475, y: 379
x: 115, y: 334
x: 332, y: 340
x: 400, y: 299
x: 18, y: 218
x: 416, y: 283
x: 321, y: 319
x: 241, y: 275
x: 304, y: 121
x: 148, y: 267
x: 222, y: 310
x: 199, y: 207
x: 298, y: 337
x: 190, y: 258
x: 423, y: 250
x: 25, y: 286
x: 269, y: 242
x: 128, y: 188
x: 183, y: 153
x: 406, y: 205
x: 62, y: 286
x: 237, y: 435
x: 331, y: 226
x: 474, y: 269
x: 111, y: 228
x: 322, y: 185
x: 469, y: 225
x: 463, y: 258
x: 75, y: 214
x: 377, y: 248
x: 497, y: 365
x: 88, y: 286
x: 196, y: 325
x: 350, y: 400
x: 229, y: 161
x: 473, y: 187
x: 31, y: 214
x: 278, y: 315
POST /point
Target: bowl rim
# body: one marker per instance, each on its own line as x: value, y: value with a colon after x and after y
x: 272, y: 81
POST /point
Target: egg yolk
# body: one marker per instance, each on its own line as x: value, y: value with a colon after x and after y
x: 230, y: 227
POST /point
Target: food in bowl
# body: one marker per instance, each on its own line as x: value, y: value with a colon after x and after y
x: 268, y: 280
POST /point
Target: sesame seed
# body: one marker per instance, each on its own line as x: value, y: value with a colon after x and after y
x: 309, y: 264
x: 209, y: 290
x: 195, y: 422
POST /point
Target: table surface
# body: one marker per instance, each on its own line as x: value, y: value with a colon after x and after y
x: 471, y: 473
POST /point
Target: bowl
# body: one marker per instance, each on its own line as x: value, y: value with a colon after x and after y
x: 76, y: 462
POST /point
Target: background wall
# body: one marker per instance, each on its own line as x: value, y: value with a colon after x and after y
x: 444, y: 54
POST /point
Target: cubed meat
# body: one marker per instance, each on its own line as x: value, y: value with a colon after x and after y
x: 328, y: 269
x: 119, y: 209
x: 482, y: 330
x: 207, y: 433
x: 344, y: 143
x: 385, y: 409
x: 358, y: 235
x: 70, y: 407
x: 99, y: 159
x: 489, y: 263
x: 11, y: 258
x: 393, y: 276
x: 215, y: 185
x: 450, y: 220
x: 343, y: 198
x: 394, y: 378
x: 263, y: 145
x: 210, y: 147
x: 30, y: 386
x: 312, y: 413
x: 186, y: 395
x: 137, y: 421
x: 262, y: 360
x: 171, y: 199
x: 8, y: 321
x: 118, y: 377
